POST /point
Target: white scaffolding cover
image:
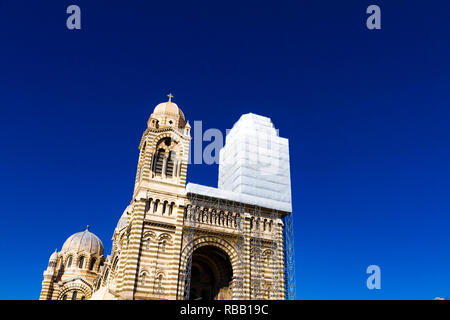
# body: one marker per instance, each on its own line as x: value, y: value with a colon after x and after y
x: 254, y: 166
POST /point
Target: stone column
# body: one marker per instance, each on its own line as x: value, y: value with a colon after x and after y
x: 164, y: 167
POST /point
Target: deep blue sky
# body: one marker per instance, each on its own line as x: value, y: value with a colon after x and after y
x: 366, y: 112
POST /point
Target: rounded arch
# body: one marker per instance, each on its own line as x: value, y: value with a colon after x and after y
x: 106, y: 277
x: 121, y: 240
x: 60, y: 263
x: 82, y: 258
x: 157, y: 139
x: 171, y: 207
x: 149, y: 235
x: 100, y: 263
x: 165, y: 207
x: 214, y: 268
x: 144, y: 275
x: 92, y: 263
x: 213, y: 241
x: 115, y: 263
x: 267, y: 255
x: 164, y: 236
x: 81, y: 287
x: 159, y: 280
x: 69, y: 260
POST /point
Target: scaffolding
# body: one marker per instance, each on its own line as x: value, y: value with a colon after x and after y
x: 274, y: 229
x: 240, y: 248
x: 235, y: 219
x: 256, y: 255
x: 193, y: 218
x: 289, y: 257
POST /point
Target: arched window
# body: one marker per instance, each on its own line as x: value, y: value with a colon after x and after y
x: 69, y: 262
x: 170, y: 164
x: 83, y: 298
x: 64, y: 297
x: 162, y: 246
x: 74, y: 295
x: 81, y: 262
x: 164, y: 207
x: 100, y: 265
x: 171, y: 208
x: 159, y: 287
x: 148, y: 204
x: 155, y: 206
x: 146, y: 243
x: 159, y: 161
x: 91, y: 266
x: 114, y: 266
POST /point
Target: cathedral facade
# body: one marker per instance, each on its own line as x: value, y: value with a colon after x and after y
x: 178, y: 241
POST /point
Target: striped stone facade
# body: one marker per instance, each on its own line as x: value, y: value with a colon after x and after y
x: 150, y: 250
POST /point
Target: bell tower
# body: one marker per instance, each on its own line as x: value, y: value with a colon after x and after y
x: 164, y: 148
x: 149, y: 256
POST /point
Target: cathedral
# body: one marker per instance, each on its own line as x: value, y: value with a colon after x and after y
x: 177, y: 241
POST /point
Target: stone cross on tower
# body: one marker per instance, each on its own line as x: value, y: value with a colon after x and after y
x: 170, y: 97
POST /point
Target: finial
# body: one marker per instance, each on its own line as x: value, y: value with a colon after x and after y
x: 87, y: 228
x: 170, y: 97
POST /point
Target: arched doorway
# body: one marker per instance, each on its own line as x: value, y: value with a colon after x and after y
x: 211, y: 274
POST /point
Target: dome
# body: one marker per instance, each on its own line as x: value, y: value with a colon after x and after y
x: 122, y: 221
x: 84, y: 242
x: 167, y: 114
x: 54, y: 256
x: 168, y: 108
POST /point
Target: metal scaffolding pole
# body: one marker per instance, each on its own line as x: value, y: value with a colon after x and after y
x: 236, y: 220
x: 256, y: 274
x: 275, y: 256
x: 239, y: 278
x: 289, y: 257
